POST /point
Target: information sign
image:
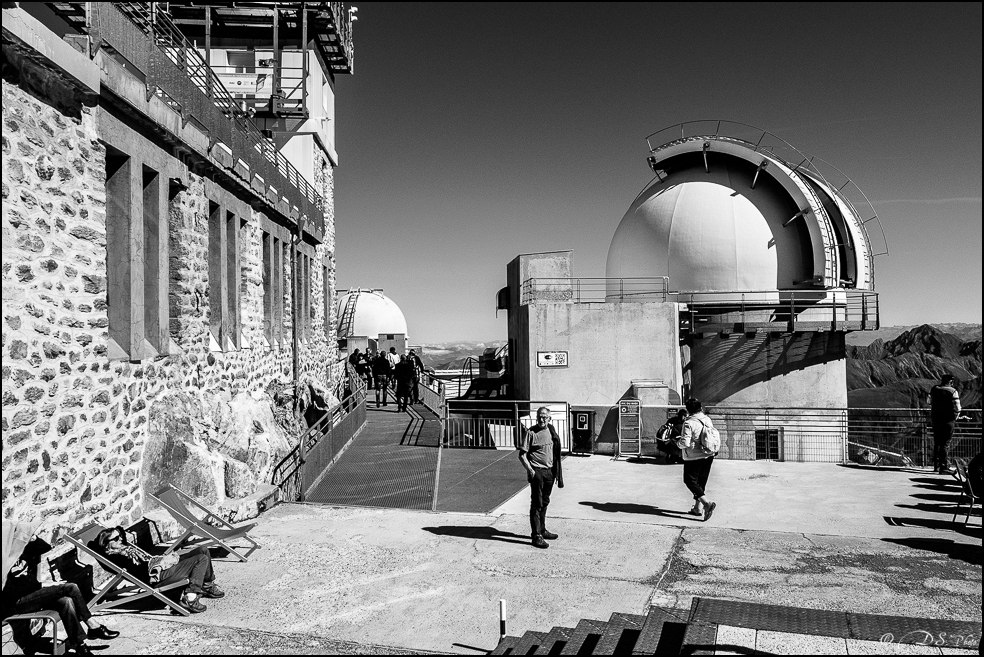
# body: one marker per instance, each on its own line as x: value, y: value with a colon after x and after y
x: 551, y: 359
x: 629, y: 428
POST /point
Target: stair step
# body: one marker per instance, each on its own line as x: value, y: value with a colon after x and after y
x: 528, y: 643
x: 555, y: 641
x: 505, y: 646
x: 621, y: 634
x: 585, y: 637
x: 652, y: 631
x: 699, y: 639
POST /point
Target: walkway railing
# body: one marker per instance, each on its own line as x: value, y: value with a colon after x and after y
x: 176, y: 70
x: 496, y: 423
x: 594, y: 290
x: 297, y: 472
x: 431, y: 392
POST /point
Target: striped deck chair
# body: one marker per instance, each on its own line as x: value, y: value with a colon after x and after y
x: 176, y: 502
x: 124, y: 588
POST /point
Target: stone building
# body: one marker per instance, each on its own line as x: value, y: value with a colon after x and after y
x: 168, y: 249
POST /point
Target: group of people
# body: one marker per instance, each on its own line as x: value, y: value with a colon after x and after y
x: 388, y: 369
x: 23, y: 592
x: 539, y: 453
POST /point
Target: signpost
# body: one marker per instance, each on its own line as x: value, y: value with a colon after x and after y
x: 629, y: 428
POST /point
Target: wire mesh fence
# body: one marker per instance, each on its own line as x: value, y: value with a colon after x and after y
x: 496, y: 424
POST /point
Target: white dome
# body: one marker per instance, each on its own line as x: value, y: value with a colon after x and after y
x: 374, y: 313
x: 703, y: 235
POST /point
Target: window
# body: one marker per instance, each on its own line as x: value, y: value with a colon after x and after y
x: 223, y: 276
x: 136, y: 258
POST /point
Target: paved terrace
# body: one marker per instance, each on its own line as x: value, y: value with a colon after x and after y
x: 359, y: 580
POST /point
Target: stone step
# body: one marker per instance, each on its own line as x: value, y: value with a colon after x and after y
x: 651, y: 640
x: 528, y: 643
x: 585, y: 637
x: 505, y: 646
x: 621, y: 634
x: 555, y: 641
x: 699, y: 639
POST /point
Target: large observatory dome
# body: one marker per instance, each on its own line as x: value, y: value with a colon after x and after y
x: 728, y: 213
x: 368, y: 313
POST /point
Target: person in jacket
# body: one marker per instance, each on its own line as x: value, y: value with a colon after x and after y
x: 945, y: 411
x: 539, y: 454
x: 23, y: 594
x: 381, y: 370
x: 696, y: 462
x: 119, y: 547
x: 403, y: 372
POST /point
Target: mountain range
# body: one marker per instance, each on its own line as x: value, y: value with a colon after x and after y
x: 899, y: 372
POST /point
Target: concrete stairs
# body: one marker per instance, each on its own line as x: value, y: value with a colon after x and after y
x: 662, y: 630
x: 696, y: 632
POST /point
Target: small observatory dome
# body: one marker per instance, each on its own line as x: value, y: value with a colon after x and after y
x: 732, y: 214
x: 368, y: 313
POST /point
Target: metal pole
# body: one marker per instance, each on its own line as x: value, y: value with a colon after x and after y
x: 209, y: 85
x: 502, y: 619
x: 294, y: 304
x: 516, y: 424
x: 275, y: 91
x: 304, y: 59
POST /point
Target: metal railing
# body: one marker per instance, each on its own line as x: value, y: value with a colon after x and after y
x: 783, y: 310
x: 870, y: 436
x: 763, y: 141
x: 594, y: 290
x: 496, y: 423
x: 431, y: 392
x: 296, y: 474
x: 174, y: 69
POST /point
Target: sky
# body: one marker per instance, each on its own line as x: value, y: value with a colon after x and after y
x: 471, y: 133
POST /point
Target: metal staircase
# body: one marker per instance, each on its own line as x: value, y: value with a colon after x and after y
x: 347, y: 321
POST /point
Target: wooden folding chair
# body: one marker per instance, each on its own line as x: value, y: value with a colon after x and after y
x: 130, y: 587
x: 966, y: 490
x: 176, y: 502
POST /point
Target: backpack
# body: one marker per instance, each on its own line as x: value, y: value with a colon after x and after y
x: 709, y: 440
x: 663, y: 434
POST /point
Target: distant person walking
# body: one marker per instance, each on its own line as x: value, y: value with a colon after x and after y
x: 539, y: 453
x: 696, y: 460
x: 381, y: 370
x: 394, y: 358
x: 418, y: 368
x: 404, y: 380
x: 945, y: 409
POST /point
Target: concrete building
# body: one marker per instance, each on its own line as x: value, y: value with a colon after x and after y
x: 168, y: 248
x: 369, y: 320
x: 733, y: 277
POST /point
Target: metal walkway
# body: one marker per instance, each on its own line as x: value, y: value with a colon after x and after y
x: 397, y: 462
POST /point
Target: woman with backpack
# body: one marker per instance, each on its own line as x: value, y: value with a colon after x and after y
x: 699, y: 442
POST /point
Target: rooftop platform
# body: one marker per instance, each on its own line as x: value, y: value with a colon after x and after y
x: 819, y: 536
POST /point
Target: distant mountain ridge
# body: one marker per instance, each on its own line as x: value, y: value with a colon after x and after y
x: 898, y: 373
x: 452, y: 355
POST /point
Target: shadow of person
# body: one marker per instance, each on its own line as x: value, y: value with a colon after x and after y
x: 643, y: 509
x: 974, y: 531
x: 483, y: 533
x: 963, y: 551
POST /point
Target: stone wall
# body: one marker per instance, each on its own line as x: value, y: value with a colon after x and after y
x: 85, y: 437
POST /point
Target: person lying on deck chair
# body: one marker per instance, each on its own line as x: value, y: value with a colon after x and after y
x: 196, y: 565
x: 23, y: 594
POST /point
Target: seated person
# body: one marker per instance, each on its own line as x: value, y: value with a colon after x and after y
x: 23, y: 594
x: 119, y: 546
x: 667, y: 435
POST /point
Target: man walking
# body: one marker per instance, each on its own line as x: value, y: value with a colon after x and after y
x: 381, y: 372
x: 696, y: 460
x: 539, y: 453
x: 418, y: 368
x: 945, y: 411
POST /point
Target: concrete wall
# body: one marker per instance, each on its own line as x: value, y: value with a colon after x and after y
x: 87, y: 436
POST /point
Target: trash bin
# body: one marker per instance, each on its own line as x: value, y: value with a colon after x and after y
x: 582, y: 431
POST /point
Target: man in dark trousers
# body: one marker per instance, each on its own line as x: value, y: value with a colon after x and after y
x: 945, y: 411
x: 696, y: 462
x: 381, y: 370
x: 539, y: 453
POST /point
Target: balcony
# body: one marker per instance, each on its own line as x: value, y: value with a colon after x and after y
x: 144, y: 41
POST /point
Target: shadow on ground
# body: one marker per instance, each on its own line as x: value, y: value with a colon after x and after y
x: 483, y: 533
x: 644, y: 509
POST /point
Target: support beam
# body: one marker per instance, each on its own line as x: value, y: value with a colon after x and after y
x: 761, y: 166
x: 801, y: 213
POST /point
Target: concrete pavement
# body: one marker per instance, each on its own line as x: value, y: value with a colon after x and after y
x: 809, y: 535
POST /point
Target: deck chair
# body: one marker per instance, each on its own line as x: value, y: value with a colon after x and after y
x: 176, y: 502
x: 966, y: 490
x: 130, y: 588
x: 46, y: 618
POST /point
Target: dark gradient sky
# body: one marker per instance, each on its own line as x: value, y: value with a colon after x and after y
x: 471, y: 133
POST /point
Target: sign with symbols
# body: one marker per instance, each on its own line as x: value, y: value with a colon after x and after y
x: 629, y: 427
x: 551, y: 359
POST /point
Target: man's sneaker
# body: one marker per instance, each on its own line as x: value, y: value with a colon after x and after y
x: 697, y: 510
x: 538, y: 542
x: 194, y: 606
x: 550, y: 536
x: 212, y: 591
x: 709, y: 510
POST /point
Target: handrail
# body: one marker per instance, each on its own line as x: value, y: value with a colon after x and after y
x: 589, y: 290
